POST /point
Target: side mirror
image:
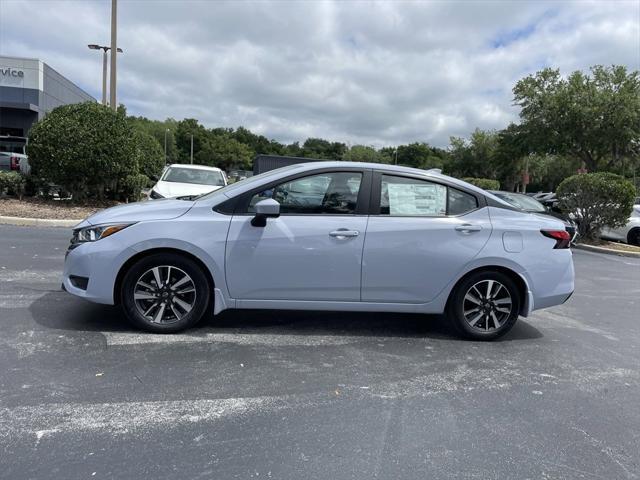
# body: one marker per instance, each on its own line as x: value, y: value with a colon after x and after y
x: 267, y: 208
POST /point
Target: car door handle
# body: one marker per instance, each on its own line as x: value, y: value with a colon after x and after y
x: 468, y: 228
x: 344, y: 233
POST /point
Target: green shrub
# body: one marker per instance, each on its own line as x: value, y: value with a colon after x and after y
x: 13, y: 182
x: 484, y: 183
x: 86, y: 148
x: 130, y: 187
x: 598, y: 200
x: 150, y: 155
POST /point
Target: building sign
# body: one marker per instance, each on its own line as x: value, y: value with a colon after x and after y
x: 11, y: 72
x: 21, y: 73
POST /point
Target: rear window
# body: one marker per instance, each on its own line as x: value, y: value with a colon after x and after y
x: 461, y: 202
x: 402, y: 196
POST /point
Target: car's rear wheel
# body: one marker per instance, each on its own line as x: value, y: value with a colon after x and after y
x: 633, y: 237
x: 165, y: 293
x: 484, y: 306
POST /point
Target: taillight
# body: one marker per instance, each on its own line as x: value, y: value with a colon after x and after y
x: 15, y: 163
x: 562, y: 237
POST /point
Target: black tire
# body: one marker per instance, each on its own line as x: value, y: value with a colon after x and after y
x: 174, y: 317
x: 485, y: 327
x: 633, y: 237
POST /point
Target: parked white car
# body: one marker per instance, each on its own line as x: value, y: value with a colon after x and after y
x: 630, y: 233
x: 325, y: 236
x: 179, y: 180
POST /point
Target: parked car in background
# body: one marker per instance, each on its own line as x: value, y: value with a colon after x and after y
x: 294, y: 238
x: 630, y: 233
x: 15, y: 162
x: 180, y: 180
x: 531, y: 205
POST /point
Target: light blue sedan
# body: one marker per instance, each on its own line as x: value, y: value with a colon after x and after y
x: 325, y: 236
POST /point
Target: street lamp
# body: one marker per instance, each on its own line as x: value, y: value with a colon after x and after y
x: 104, y: 49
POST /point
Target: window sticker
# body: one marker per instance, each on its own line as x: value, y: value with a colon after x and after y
x: 417, y: 199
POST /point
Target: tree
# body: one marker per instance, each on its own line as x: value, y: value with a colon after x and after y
x: 362, y: 153
x: 323, y: 149
x: 184, y: 130
x: 159, y: 129
x: 224, y: 152
x: 476, y: 157
x: 86, y: 148
x: 150, y: 155
x: 595, y: 118
x: 258, y: 143
x: 598, y: 200
x: 419, y: 155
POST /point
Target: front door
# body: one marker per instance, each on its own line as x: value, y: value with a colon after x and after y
x: 313, y: 251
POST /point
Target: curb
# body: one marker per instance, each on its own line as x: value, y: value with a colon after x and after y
x: 37, y: 222
x: 608, y: 251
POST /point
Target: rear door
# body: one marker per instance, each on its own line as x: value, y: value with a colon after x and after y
x: 420, y: 235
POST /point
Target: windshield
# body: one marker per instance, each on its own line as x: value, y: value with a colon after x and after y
x: 193, y: 175
x: 521, y: 201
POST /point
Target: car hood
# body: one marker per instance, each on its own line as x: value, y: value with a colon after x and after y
x: 176, y: 189
x: 141, y: 211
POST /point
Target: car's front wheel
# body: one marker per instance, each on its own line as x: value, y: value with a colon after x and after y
x: 484, y: 306
x: 165, y: 293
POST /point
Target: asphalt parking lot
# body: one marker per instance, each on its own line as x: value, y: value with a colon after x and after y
x: 296, y: 395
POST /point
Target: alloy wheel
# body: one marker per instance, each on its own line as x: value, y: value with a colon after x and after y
x: 164, y: 294
x: 487, y: 305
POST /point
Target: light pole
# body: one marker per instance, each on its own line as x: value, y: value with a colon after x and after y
x: 114, y: 43
x: 165, y: 145
x: 104, y: 49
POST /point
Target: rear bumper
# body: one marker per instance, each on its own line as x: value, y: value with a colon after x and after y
x: 551, y: 293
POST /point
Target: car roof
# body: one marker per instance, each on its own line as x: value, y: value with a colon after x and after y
x: 195, y: 167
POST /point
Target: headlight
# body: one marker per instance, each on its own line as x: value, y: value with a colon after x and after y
x: 155, y: 195
x: 93, y: 233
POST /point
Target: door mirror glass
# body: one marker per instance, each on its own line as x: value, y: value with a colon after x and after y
x: 267, y: 208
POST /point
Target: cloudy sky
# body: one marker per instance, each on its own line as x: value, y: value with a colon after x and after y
x: 378, y: 73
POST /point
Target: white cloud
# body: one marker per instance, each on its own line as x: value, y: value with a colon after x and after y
x: 360, y: 72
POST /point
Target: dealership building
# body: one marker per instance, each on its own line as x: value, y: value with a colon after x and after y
x: 29, y: 89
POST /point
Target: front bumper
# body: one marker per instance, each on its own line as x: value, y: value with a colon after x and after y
x: 99, y: 262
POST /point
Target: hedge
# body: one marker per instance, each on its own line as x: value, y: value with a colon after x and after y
x: 13, y: 182
x: 484, y: 183
x: 598, y: 200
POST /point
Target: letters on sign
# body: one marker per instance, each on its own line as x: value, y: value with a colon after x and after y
x: 11, y: 72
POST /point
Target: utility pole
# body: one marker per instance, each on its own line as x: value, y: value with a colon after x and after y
x: 165, y: 146
x: 114, y: 42
x: 104, y: 77
x: 192, y: 149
